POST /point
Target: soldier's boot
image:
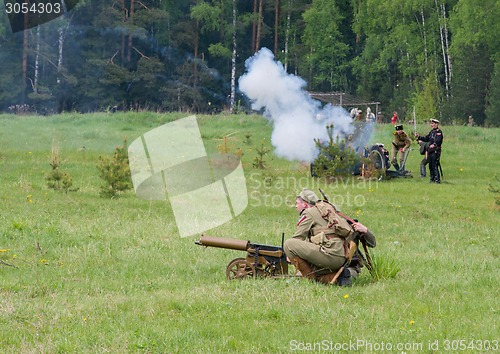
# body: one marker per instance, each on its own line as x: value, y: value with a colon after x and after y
x: 344, y: 279
x: 304, y: 267
x: 354, y: 271
x: 325, y: 278
x: 422, y: 171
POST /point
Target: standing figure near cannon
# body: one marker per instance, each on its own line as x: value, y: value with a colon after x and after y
x: 435, y: 140
x: 319, y: 248
x: 400, y: 144
x: 424, y: 146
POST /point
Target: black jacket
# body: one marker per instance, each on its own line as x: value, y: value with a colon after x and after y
x: 435, y: 137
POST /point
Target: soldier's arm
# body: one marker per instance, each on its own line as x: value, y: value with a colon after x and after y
x: 365, y: 233
x: 423, y: 138
x: 408, y: 143
x: 303, y: 226
x: 369, y: 237
x: 439, y: 138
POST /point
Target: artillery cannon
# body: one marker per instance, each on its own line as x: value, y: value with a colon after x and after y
x: 261, y: 260
x: 376, y: 158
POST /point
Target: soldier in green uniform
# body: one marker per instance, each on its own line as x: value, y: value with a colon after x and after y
x: 319, y: 246
x: 401, y: 142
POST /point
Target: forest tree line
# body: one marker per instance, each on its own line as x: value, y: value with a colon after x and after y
x: 439, y: 56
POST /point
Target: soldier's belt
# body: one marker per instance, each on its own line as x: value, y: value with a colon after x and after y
x: 332, y: 236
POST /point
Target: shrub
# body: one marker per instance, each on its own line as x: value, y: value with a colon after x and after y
x: 57, y: 179
x: 334, y: 158
x: 494, y: 187
x: 115, y: 171
x: 258, y: 161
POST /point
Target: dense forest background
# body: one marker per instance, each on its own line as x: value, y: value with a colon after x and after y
x: 440, y: 56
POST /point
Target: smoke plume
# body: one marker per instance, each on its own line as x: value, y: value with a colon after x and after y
x: 297, y: 118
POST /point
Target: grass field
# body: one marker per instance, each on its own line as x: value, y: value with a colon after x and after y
x: 84, y: 274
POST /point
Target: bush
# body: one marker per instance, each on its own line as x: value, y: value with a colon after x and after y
x: 334, y: 159
x: 115, y: 171
x: 494, y: 187
x: 258, y: 161
x: 57, y: 179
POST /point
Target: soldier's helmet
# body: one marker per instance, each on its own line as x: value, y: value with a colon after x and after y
x: 308, y: 196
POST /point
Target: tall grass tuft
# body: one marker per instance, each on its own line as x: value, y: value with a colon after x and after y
x: 385, y: 266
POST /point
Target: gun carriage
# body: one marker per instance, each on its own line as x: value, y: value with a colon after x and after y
x: 260, y: 261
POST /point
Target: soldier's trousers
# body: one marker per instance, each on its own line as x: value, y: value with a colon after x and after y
x: 423, y: 165
x: 396, y: 154
x: 433, y: 159
x: 310, y: 252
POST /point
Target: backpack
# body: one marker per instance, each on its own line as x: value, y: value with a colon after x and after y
x: 338, y: 224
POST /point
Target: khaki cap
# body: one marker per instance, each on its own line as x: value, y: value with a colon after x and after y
x: 308, y: 196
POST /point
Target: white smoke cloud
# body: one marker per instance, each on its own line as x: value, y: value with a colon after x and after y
x: 297, y: 118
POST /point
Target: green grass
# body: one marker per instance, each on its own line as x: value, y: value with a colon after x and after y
x: 83, y: 274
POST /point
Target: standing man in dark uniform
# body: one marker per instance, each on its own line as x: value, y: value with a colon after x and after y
x: 435, y: 139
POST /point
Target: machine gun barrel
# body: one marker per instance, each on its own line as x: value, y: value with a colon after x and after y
x: 240, y: 245
x: 222, y: 242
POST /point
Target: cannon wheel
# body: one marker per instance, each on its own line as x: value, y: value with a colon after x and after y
x: 377, y: 160
x: 239, y: 268
x: 375, y: 166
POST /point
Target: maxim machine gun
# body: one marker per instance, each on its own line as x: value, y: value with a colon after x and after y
x: 261, y: 260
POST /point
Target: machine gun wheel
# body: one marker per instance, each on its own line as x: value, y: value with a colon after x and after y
x: 240, y: 268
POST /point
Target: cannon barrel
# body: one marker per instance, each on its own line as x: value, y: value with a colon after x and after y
x: 221, y: 242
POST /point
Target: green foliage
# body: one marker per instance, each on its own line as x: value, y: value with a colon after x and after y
x: 385, y: 266
x: 248, y: 138
x: 426, y: 99
x: 493, y: 99
x: 259, y: 161
x: 327, y: 51
x: 208, y: 14
x: 175, y: 55
x: 57, y: 179
x: 494, y: 187
x: 335, y: 159
x: 219, y: 50
x: 472, y: 66
x: 474, y: 50
x: 115, y: 171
